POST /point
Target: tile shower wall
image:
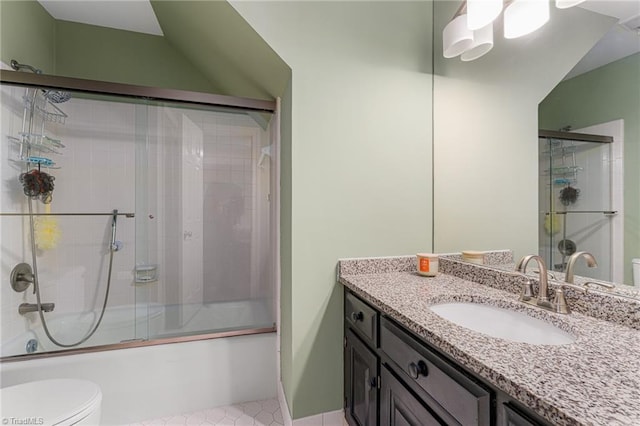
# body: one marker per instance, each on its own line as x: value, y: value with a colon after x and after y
x: 234, y: 201
x: 200, y: 197
x: 229, y: 189
x: 96, y: 175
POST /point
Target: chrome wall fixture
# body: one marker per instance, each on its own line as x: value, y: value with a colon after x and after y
x: 469, y: 34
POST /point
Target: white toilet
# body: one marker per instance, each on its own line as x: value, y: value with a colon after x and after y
x: 55, y: 402
x: 635, y: 263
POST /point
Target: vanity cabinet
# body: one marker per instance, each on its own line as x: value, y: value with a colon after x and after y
x: 400, y: 406
x: 361, y: 382
x: 449, y: 394
x: 392, y: 377
x: 361, y: 363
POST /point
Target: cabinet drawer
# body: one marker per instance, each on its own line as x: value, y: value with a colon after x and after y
x: 465, y: 401
x: 362, y: 318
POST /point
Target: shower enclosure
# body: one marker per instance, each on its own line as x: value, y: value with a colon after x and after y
x: 160, y: 211
x: 577, y: 211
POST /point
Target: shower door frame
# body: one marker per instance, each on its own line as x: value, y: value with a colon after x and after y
x: 232, y: 103
x: 614, y: 210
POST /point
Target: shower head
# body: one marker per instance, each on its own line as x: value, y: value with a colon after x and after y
x: 56, y: 96
x: 17, y: 66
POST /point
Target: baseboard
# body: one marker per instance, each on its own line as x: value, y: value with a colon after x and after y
x: 284, y: 407
x: 330, y: 418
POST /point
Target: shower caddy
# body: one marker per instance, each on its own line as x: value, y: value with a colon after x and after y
x: 31, y: 142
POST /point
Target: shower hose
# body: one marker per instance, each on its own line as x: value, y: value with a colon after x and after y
x: 112, y: 248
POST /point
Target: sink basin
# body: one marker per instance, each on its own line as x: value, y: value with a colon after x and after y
x: 503, y: 323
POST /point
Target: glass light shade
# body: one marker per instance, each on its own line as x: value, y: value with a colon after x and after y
x: 565, y: 4
x: 522, y: 17
x: 456, y: 37
x: 482, y: 43
x: 481, y: 13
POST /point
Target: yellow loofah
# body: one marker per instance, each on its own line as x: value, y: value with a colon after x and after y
x: 47, y: 233
x: 552, y: 223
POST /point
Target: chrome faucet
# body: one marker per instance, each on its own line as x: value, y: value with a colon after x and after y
x: 543, y: 298
x: 591, y: 263
x: 33, y: 307
x: 559, y: 303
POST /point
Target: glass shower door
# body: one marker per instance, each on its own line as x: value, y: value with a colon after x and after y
x: 575, y: 199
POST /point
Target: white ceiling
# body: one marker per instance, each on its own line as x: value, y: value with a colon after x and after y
x: 619, y: 42
x: 131, y: 15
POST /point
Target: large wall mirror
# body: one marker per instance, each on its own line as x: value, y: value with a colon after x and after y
x: 591, y: 181
x: 580, y: 72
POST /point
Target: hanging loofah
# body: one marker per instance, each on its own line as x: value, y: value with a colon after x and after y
x: 47, y: 233
x: 37, y: 185
x: 552, y: 224
x: 569, y: 195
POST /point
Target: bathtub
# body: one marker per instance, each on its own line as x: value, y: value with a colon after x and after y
x: 156, y: 380
x: 142, y: 322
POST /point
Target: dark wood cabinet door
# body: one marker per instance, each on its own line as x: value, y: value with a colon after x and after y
x: 515, y: 417
x: 399, y: 407
x: 360, y: 382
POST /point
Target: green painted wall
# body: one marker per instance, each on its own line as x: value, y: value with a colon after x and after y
x: 607, y: 93
x: 286, y: 287
x: 206, y: 47
x: 359, y: 182
x: 27, y: 34
x: 222, y: 45
x: 98, y: 53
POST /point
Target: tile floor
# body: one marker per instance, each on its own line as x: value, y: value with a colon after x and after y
x: 255, y: 413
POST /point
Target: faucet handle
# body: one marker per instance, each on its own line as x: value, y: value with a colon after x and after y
x: 601, y: 284
x: 526, y: 291
x: 560, y: 302
x: 577, y: 287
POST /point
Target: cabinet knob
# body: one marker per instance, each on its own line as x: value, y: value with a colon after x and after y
x: 373, y: 382
x: 418, y: 369
x: 357, y: 316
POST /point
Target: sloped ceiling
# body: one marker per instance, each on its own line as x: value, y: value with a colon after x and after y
x: 213, y: 38
x: 220, y: 43
x: 123, y: 15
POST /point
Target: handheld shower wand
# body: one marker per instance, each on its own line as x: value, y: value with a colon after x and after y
x: 114, y: 245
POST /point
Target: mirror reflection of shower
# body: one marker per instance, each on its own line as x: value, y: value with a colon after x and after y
x: 580, y: 200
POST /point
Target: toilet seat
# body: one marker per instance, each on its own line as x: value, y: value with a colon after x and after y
x: 57, y: 402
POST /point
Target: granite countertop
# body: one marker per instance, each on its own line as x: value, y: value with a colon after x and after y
x: 593, y: 381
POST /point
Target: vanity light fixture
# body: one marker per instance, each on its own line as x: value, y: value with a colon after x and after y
x: 482, y: 43
x: 565, y: 4
x: 469, y: 34
x: 481, y: 13
x: 523, y: 17
x: 456, y: 37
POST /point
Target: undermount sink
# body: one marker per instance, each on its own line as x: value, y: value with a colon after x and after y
x: 503, y: 323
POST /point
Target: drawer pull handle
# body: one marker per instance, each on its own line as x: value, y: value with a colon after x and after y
x: 419, y: 369
x: 357, y: 316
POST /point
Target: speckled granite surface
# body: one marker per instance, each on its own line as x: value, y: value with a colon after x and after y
x: 593, y: 381
x: 619, y: 307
